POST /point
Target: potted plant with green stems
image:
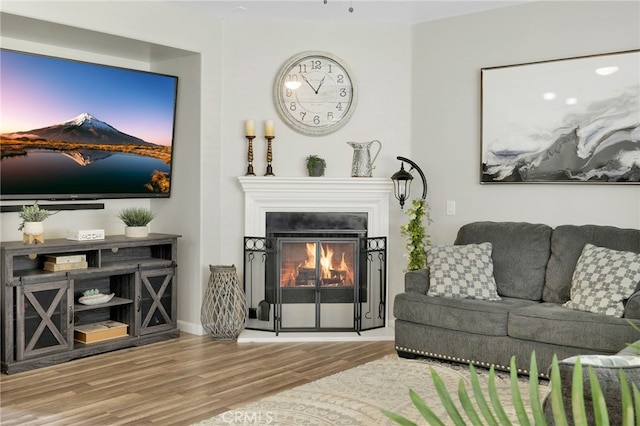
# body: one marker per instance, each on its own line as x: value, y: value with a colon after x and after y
x: 316, y: 165
x: 32, y: 225
x: 495, y: 414
x: 415, y: 232
x: 136, y: 220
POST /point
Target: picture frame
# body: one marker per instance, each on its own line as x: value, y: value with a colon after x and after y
x: 574, y: 120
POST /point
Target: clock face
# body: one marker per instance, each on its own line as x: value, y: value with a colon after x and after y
x: 315, y: 93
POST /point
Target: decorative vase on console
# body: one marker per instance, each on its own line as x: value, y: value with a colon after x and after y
x: 224, y: 306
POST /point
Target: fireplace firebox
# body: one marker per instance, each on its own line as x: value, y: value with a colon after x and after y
x: 315, y: 271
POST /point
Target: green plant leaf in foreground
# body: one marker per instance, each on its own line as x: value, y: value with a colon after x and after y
x: 627, y: 401
x: 599, y: 404
x: 577, y: 395
x: 401, y: 420
x: 515, y: 395
x: 630, y: 405
x: 557, y: 406
x: 495, y: 399
x: 467, y: 405
x: 480, y: 399
x: 447, y: 402
x: 534, y: 393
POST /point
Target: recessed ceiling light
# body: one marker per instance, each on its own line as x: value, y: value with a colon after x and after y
x: 607, y: 70
x: 549, y: 96
x: 571, y: 101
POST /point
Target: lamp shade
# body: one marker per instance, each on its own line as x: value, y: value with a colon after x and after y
x: 402, y: 181
x: 402, y: 184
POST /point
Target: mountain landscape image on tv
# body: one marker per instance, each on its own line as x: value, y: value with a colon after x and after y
x: 78, y: 130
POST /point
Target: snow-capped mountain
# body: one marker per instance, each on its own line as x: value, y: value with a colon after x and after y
x: 84, y: 128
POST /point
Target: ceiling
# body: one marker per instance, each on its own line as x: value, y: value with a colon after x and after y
x: 363, y: 11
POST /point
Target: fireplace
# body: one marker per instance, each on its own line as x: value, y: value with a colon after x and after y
x: 316, y: 273
x: 315, y: 253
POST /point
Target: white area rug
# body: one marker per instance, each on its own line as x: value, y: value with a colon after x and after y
x: 357, y: 396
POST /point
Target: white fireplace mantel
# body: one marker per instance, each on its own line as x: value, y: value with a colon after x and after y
x: 315, y: 194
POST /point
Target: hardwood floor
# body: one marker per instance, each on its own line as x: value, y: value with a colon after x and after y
x: 177, y: 382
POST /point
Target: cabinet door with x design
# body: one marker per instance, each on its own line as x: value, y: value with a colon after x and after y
x: 157, y: 300
x: 45, y: 327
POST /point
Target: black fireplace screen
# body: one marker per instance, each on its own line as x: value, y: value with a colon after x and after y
x: 315, y: 283
x: 315, y: 271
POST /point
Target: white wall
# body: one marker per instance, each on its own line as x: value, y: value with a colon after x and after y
x: 380, y: 58
x: 448, y: 56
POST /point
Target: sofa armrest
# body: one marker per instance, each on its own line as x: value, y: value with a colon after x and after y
x: 417, y: 281
x: 632, y: 307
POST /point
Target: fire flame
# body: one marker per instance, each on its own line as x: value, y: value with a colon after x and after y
x: 328, y: 268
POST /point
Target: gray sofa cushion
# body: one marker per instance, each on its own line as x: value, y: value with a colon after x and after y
x: 567, y: 242
x: 520, y: 254
x: 469, y: 315
x: 551, y: 323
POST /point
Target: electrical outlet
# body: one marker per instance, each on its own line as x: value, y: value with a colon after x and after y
x: 451, y: 208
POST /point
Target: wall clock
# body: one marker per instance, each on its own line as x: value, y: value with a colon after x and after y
x: 315, y: 93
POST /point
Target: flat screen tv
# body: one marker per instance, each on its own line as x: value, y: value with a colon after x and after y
x: 72, y: 130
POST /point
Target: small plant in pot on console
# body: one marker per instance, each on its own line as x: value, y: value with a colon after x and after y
x: 32, y: 225
x: 136, y: 220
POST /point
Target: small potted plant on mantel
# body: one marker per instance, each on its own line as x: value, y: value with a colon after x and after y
x: 316, y: 165
x: 136, y: 220
x: 32, y: 225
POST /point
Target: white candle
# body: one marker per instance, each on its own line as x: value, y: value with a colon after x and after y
x: 249, y: 128
x: 268, y: 128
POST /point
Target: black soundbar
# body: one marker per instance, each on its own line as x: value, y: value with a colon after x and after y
x: 56, y: 207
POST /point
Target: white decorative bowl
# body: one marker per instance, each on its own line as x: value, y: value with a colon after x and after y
x: 96, y: 299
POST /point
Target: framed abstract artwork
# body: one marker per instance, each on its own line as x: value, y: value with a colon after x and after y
x: 573, y: 120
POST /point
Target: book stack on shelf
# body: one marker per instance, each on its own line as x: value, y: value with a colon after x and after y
x: 99, y: 331
x: 65, y: 262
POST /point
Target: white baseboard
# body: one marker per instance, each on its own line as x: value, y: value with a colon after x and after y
x: 378, y: 334
x: 191, y: 328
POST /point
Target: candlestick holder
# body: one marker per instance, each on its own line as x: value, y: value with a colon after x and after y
x: 250, y: 157
x: 269, y: 156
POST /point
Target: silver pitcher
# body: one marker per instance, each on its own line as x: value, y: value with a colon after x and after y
x: 362, y: 164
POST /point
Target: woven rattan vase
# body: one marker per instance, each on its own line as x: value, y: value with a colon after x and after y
x: 223, y: 313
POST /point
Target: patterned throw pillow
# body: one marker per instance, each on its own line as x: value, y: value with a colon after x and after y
x: 603, y: 278
x: 464, y: 271
x: 605, y: 360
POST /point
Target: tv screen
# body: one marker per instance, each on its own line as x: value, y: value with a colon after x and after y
x: 77, y: 130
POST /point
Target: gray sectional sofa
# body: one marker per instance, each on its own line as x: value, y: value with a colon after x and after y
x: 533, y: 266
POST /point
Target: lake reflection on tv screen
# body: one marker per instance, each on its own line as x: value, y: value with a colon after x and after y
x: 82, y: 172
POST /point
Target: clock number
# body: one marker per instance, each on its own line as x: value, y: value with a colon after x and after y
x: 340, y: 79
x: 343, y: 92
x: 302, y: 68
x: 302, y: 115
x: 316, y: 65
x: 288, y: 93
x: 316, y: 119
x: 330, y: 68
x: 292, y: 106
x: 339, y: 106
x: 329, y: 116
